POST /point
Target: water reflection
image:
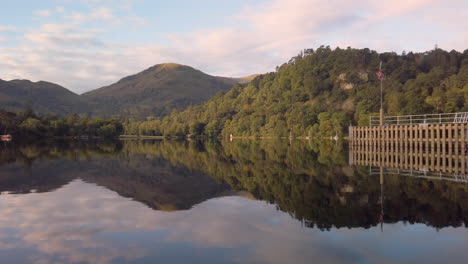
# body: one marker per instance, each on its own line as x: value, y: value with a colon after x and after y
x: 430, y: 164
x: 218, y: 202
x: 312, y: 182
x: 414, y: 162
x: 315, y: 184
x: 150, y: 180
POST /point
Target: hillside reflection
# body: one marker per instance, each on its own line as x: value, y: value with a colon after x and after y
x: 311, y: 181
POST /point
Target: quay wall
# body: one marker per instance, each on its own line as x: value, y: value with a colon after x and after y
x: 431, y: 147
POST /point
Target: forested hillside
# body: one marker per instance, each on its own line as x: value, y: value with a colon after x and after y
x: 320, y: 92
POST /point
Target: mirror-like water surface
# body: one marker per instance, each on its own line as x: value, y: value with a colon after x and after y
x: 220, y: 202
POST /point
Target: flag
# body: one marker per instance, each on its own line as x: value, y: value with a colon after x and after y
x: 380, y: 74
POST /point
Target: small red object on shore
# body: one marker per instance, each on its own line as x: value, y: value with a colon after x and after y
x: 6, y: 137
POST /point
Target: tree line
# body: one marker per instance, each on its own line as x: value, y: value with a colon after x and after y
x: 27, y: 124
x: 320, y: 92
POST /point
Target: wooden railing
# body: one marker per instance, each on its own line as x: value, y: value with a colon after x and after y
x: 431, y: 175
x: 443, y: 138
x: 445, y: 118
x: 431, y: 146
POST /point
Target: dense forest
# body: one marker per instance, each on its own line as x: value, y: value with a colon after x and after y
x: 27, y: 124
x: 322, y: 91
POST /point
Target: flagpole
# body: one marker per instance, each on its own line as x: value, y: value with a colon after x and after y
x: 381, y: 94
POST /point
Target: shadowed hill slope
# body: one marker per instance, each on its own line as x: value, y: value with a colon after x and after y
x: 42, y: 97
x: 156, y: 91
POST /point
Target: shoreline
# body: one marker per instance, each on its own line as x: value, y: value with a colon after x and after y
x: 234, y: 137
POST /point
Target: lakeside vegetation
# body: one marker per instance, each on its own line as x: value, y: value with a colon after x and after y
x: 27, y: 124
x: 320, y: 92
x: 316, y: 94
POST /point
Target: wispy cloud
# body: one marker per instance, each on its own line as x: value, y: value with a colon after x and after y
x: 59, y: 9
x: 97, y: 14
x: 120, y: 4
x: 76, y: 50
x: 7, y: 28
x: 63, y: 35
x: 43, y: 13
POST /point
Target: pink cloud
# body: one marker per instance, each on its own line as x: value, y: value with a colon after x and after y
x: 75, y: 53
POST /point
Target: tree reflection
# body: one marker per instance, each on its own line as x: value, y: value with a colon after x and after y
x: 310, y: 180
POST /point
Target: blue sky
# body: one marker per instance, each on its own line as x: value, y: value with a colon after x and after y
x: 85, y: 44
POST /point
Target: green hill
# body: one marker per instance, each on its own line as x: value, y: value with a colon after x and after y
x: 42, y: 97
x: 320, y: 92
x: 156, y: 91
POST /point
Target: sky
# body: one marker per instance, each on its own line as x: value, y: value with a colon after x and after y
x: 85, y: 44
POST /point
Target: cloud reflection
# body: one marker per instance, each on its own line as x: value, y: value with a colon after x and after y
x: 85, y: 223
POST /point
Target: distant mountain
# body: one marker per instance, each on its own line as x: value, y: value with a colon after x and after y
x: 156, y: 91
x: 42, y: 97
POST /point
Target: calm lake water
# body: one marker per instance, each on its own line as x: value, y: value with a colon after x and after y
x: 220, y: 202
